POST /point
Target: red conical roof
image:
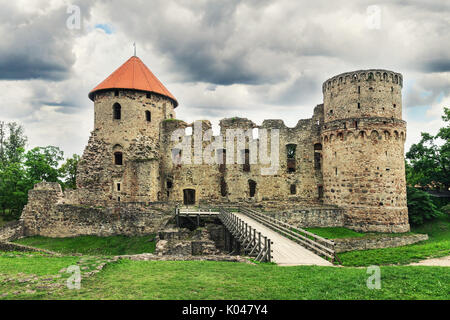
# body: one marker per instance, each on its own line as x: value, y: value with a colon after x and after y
x: 135, y: 75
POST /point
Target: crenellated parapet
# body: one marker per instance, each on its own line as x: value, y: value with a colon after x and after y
x: 354, y: 77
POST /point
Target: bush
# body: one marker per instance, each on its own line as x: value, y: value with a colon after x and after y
x: 421, y: 207
x: 446, y: 209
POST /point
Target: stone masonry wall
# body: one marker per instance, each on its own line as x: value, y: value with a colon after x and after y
x: 46, y: 214
x: 352, y: 244
x: 215, y: 183
x: 310, y: 217
x: 11, y: 231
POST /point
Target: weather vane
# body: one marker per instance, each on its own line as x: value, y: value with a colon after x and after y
x: 134, y: 45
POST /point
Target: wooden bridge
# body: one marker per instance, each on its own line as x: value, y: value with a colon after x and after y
x: 264, y: 238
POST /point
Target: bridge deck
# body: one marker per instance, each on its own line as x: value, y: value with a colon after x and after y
x: 285, y: 252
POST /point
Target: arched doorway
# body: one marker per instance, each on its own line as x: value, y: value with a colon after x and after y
x: 188, y: 196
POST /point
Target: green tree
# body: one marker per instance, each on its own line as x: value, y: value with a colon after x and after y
x: 2, y: 141
x: 15, y: 142
x: 420, y: 206
x: 68, y: 171
x: 41, y: 164
x: 429, y: 160
x: 13, y: 185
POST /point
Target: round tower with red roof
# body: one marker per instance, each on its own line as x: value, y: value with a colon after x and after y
x: 121, y: 160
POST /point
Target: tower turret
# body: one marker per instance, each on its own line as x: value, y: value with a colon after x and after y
x: 363, y: 139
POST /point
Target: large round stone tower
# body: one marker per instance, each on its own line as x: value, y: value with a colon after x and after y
x: 120, y: 162
x: 363, y: 137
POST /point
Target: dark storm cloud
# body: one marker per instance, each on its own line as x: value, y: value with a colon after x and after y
x: 36, y: 44
x: 260, y: 43
x: 438, y: 65
x: 23, y: 66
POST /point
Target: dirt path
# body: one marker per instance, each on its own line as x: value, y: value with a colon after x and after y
x: 286, y: 252
x: 434, y: 262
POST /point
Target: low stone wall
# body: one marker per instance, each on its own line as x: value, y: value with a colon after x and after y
x: 48, y: 214
x: 182, y: 242
x: 66, y: 220
x: 353, y: 244
x: 152, y: 257
x: 310, y: 217
x: 9, y: 246
x: 11, y: 231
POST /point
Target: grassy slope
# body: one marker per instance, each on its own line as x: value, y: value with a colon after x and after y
x: 33, y: 263
x: 225, y: 280
x: 93, y: 245
x: 335, y: 232
x: 438, y: 245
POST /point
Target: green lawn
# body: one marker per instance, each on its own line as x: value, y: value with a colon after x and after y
x: 438, y: 245
x: 93, y: 245
x: 227, y: 280
x: 127, y: 279
x: 335, y: 232
x: 13, y: 263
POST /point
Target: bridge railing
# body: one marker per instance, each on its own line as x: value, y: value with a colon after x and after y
x: 319, y: 245
x: 252, y: 242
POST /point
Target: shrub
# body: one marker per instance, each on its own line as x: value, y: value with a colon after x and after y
x: 446, y: 209
x: 420, y: 206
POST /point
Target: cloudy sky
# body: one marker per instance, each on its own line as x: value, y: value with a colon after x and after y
x: 257, y: 59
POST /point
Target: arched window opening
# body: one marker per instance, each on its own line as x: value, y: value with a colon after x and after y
x: 246, y: 166
x: 169, y: 184
x: 320, y: 191
x: 176, y: 156
x: 291, y: 157
x: 148, y: 116
x: 223, y: 187
x: 293, y: 189
x: 317, y: 155
x: 118, y: 186
x: 117, y: 111
x: 222, y: 158
x: 317, y: 161
x: 252, y: 188
x: 118, y: 158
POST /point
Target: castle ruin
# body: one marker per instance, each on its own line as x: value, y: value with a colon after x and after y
x: 342, y: 167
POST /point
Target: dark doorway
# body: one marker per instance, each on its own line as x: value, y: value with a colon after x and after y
x: 252, y: 188
x: 223, y: 187
x: 188, y: 196
x: 320, y: 190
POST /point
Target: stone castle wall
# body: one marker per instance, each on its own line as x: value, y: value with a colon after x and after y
x: 229, y: 183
